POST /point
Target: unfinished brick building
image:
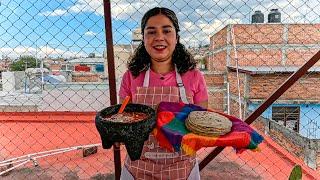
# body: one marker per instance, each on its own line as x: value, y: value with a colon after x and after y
x: 267, y: 54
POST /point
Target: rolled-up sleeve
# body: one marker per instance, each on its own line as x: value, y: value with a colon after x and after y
x: 125, y: 85
x: 201, y: 93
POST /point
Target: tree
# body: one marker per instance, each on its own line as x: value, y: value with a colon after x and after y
x: 23, y: 63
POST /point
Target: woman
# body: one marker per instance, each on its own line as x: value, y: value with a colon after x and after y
x: 162, y: 70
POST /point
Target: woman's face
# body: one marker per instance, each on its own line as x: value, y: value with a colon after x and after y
x: 160, y: 38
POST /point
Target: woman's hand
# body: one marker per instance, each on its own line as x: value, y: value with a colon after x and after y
x: 203, y: 104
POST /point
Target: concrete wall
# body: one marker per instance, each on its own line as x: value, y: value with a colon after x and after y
x: 304, y: 148
x: 8, y: 82
x: 13, y: 81
x: 309, y: 118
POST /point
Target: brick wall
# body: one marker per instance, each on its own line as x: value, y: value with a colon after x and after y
x: 216, y: 80
x: 297, y: 57
x: 268, y: 45
x: 264, y: 45
x: 215, y: 62
x: 55, y: 67
x: 233, y: 83
x: 19, y: 108
x: 257, y: 57
x: 216, y: 100
x: 219, y: 39
x: 304, y: 34
x: 258, y: 33
x: 234, y: 107
x: 85, y: 78
x: 262, y: 86
x: 216, y: 91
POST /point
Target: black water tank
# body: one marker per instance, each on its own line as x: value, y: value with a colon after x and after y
x: 257, y: 17
x: 274, y: 16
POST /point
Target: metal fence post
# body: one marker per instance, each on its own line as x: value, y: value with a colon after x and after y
x: 111, y: 77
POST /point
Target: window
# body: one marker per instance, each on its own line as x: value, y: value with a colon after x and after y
x: 289, y: 116
x: 66, y: 67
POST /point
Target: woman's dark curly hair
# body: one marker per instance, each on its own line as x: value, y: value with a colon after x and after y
x: 140, y: 61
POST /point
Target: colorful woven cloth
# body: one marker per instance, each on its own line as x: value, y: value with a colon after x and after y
x: 173, y: 135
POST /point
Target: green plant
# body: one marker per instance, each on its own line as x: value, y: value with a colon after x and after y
x: 23, y: 63
x: 296, y: 173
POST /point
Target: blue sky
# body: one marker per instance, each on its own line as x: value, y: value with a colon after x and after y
x: 76, y: 28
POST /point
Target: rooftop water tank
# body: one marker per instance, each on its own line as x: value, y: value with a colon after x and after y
x: 257, y: 17
x: 274, y: 16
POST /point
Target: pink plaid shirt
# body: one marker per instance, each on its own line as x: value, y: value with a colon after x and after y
x: 192, y: 80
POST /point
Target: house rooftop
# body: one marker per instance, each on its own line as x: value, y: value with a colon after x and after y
x: 87, y: 60
x: 270, y: 69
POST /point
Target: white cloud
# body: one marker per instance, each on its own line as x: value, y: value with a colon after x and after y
x: 199, y: 19
x: 57, y: 12
x: 90, y: 33
x: 95, y: 6
x: 40, y: 52
x: 200, y: 32
x: 120, y: 9
x: 293, y: 10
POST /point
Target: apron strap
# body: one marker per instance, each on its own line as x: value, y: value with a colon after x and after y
x: 146, y: 78
x: 182, y: 90
x: 180, y: 85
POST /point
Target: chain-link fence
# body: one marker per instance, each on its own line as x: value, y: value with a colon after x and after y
x: 54, y: 78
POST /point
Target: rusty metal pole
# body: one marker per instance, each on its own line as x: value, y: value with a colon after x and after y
x: 112, y: 79
x: 275, y: 95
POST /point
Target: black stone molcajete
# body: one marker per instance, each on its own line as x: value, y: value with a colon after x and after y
x: 132, y: 135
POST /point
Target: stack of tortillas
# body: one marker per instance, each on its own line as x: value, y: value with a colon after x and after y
x: 208, y: 123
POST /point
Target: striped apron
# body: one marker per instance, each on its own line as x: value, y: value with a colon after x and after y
x: 156, y: 162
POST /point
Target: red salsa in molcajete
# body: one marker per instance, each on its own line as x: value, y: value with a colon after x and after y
x: 126, y: 117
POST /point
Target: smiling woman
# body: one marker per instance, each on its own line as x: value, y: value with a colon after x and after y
x: 161, y: 70
x: 160, y: 39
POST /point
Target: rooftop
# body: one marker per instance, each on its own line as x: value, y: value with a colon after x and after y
x: 66, y: 133
x: 270, y: 69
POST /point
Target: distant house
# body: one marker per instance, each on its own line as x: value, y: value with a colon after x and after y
x: 96, y: 69
x: 34, y: 79
x: 90, y: 69
x: 298, y: 109
x: 122, y: 53
x: 267, y: 54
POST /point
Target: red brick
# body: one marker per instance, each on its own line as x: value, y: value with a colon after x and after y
x: 233, y: 83
x: 217, y: 62
x: 216, y: 100
x: 297, y: 57
x: 85, y: 78
x: 258, y: 33
x: 219, y: 39
x: 262, y: 86
x: 258, y: 57
x: 304, y: 34
x: 214, y: 79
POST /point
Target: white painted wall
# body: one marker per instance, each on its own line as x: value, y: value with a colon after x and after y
x: 8, y: 82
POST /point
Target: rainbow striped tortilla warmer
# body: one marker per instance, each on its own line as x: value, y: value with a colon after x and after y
x: 173, y: 135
